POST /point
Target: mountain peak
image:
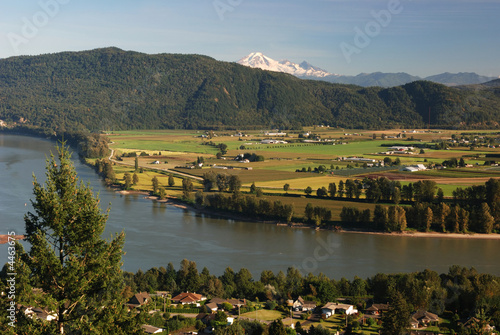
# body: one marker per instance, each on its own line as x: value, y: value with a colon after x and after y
x: 261, y: 61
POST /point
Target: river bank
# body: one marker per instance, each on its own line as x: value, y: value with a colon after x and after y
x: 157, y: 234
x: 299, y: 225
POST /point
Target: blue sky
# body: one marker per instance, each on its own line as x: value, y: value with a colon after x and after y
x: 420, y: 37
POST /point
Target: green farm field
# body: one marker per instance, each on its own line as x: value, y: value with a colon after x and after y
x: 181, y: 148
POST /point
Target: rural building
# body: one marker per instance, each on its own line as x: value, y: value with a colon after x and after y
x: 273, y: 142
x: 359, y: 159
x: 400, y: 148
x: 414, y: 168
x: 275, y: 134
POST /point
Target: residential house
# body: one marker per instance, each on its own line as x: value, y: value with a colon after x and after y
x: 217, y: 303
x: 422, y: 319
x: 205, y: 317
x: 188, y: 298
x: 139, y: 299
x: 377, y: 309
x: 302, y: 305
x: 148, y: 329
x: 332, y: 308
x: 475, y: 323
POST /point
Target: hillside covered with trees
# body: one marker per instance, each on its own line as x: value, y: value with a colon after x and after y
x: 112, y: 89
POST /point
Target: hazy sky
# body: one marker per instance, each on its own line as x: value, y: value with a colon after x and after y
x: 421, y: 37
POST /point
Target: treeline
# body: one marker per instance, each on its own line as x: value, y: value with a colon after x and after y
x: 89, y: 145
x: 460, y: 293
x: 248, y: 205
x: 111, y: 89
x: 473, y: 209
x: 104, y: 168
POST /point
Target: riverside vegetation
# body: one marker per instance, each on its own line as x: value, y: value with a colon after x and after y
x: 459, y: 193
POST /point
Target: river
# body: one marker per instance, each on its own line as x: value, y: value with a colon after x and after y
x: 157, y: 233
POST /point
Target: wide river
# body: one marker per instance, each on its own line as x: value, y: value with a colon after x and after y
x: 157, y: 234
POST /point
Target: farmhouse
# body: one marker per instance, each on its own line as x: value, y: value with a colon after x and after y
x: 275, y: 134
x: 359, y: 159
x: 273, y: 142
x: 402, y: 149
x: 414, y: 168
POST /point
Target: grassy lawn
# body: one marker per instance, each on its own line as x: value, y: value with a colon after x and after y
x: 263, y: 315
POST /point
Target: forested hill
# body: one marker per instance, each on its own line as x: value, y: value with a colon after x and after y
x: 111, y: 89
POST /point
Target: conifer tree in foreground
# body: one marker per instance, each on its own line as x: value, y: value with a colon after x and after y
x: 76, y: 272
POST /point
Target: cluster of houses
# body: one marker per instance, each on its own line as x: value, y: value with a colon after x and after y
x: 418, y: 320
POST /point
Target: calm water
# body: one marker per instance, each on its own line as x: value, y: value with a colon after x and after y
x: 157, y: 234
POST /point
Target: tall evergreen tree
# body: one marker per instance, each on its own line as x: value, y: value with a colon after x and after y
x: 277, y: 328
x: 77, y: 272
x: 397, y: 318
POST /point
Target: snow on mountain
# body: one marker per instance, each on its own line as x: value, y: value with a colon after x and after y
x: 304, y: 69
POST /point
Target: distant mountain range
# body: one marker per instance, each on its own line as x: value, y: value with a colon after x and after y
x: 111, y: 89
x: 305, y: 70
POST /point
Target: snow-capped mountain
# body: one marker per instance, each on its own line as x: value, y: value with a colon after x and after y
x: 304, y: 69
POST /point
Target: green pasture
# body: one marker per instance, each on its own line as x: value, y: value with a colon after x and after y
x: 314, y: 182
x: 459, y: 173
x: 246, y: 176
x: 350, y: 149
x: 129, y: 133
x: 162, y: 145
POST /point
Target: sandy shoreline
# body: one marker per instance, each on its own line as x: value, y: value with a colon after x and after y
x: 430, y: 234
